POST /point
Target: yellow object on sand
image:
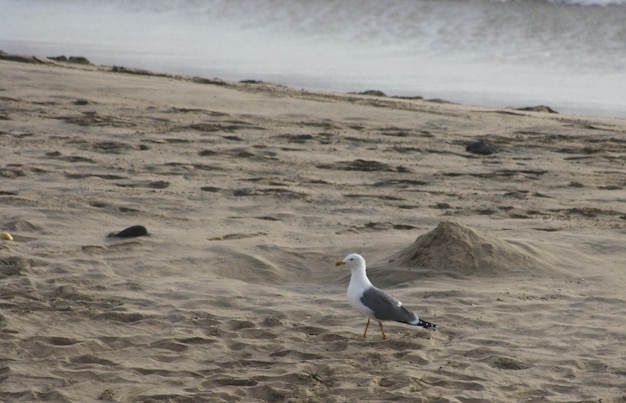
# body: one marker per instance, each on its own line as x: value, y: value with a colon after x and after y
x: 7, y: 236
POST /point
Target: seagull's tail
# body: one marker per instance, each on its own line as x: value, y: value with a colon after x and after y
x: 426, y: 325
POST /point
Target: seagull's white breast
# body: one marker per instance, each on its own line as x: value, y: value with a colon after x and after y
x: 359, y: 283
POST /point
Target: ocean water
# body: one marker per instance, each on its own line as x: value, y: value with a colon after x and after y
x: 570, y: 55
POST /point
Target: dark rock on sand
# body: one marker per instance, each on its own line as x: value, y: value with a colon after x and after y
x: 71, y: 59
x: 538, y: 108
x: 130, y: 232
x: 482, y: 147
x: 78, y: 60
x: 375, y: 93
x: 61, y: 58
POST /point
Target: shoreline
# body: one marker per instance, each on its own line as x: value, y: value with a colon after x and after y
x: 81, y: 62
x: 248, y: 193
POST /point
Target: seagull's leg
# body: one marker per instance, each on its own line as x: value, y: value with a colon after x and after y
x: 366, y: 326
x: 382, y: 330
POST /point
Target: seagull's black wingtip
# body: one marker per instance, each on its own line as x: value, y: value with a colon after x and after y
x: 427, y: 325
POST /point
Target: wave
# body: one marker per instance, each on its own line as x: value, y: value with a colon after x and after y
x: 166, y: 6
x: 601, y: 3
x: 591, y: 2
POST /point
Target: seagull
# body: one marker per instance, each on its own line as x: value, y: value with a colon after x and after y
x: 375, y: 303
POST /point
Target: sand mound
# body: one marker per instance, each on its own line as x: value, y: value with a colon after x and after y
x: 457, y: 249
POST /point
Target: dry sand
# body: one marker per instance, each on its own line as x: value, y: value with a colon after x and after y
x: 250, y: 193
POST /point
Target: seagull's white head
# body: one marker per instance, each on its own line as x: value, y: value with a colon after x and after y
x: 353, y: 261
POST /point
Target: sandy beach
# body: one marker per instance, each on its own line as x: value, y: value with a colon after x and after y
x: 250, y: 193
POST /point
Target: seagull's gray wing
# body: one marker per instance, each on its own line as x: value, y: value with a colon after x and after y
x: 386, y: 307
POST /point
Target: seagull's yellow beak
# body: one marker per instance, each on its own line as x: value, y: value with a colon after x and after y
x: 340, y: 263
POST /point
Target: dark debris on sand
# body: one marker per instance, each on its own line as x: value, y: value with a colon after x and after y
x: 482, y: 147
x: 130, y: 232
